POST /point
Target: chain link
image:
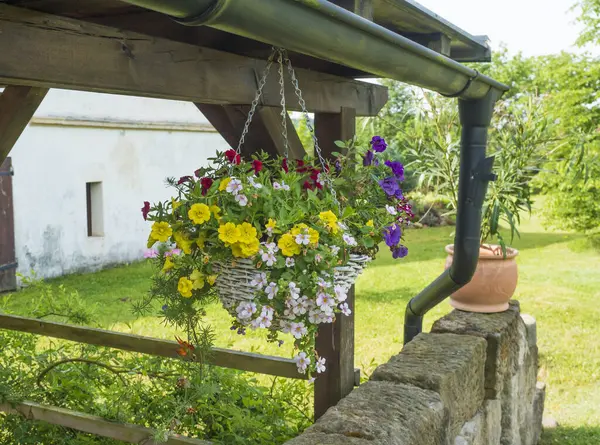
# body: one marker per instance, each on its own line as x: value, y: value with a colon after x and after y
x: 259, y: 91
x: 283, y: 107
x: 311, y: 129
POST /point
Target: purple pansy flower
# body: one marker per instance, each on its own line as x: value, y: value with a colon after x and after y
x: 390, y: 186
x: 399, y: 252
x: 165, y: 307
x: 378, y: 144
x: 399, y: 194
x: 397, y: 169
x: 392, y: 235
x: 368, y: 159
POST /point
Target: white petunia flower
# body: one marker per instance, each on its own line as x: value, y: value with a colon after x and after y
x: 285, y: 187
x: 253, y: 183
x: 324, y: 301
x: 302, y: 362
x: 269, y: 258
x: 271, y: 290
x: 277, y: 186
x: 285, y: 326
x: 391, y: 210
x: 342, y: 225
x: 294, y: 290
x: 314, y: 316
x: 298, y: 330
x: 241, y: 200
x: 318, y: 258
x: 320, y: 180
x: 303, y: 239
x: 234, y: 186
x: 322, y: 283
x: 290, y: 262
x: 349, y: 239
x: 267, y: 311
x: 320, y: 366
x: 245, y: 310
x: 259, y: 281
x: 271, y: 247
x: 335, y: 250
x: 341, y: 293
x: 345, y: 309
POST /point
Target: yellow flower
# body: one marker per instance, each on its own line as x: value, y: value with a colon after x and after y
x: 333, y: 226
x: 185, y: 287
x: 183, y: 242
x: 271, y: 224
x: 216, y: 210
x: 328, y: 217
x: 229, y: 233
x: 250, y: 249
x: 247, y: 233
x: 236, y: 250
x: 176, y: 204
x: 299, y: 229
x: 288, y: 245
x: 161, y: 231
x: 199, y: 213
x: 197, y: 279
x: 168, y: 265
x: 224, y: 183
x: 211, y: 279
x: 370, y: 223
x: 314, y: 236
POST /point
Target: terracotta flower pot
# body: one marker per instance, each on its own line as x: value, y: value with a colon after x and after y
x: 493, y: 284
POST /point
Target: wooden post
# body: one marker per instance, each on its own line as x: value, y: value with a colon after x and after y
x: 335, y: 341
x: 17, y: 105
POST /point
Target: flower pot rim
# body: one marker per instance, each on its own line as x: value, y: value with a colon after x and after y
x: 488, y: 254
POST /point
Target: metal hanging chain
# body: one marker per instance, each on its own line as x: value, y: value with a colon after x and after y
x: 283, y: 107
x: 311, y: 129
x: 259, y: 91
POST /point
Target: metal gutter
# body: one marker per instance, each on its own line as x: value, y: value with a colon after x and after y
x: 320, y: 29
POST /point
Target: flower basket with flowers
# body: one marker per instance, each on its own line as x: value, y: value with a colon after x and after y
x: 279, y: 241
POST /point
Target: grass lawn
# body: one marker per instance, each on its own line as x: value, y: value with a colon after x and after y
x: 559, y: 285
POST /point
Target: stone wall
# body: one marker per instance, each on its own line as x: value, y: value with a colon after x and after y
x: 471, y: 381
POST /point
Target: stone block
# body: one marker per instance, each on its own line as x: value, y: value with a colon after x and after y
x: 530, y: 326
x: 326, y: 439
x: 502, y: 331
x: 449, y: 364
x: 384, y: 413
x: 484, y: 428
x: 538, y: 414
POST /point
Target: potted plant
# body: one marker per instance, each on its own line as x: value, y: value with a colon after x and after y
x: 278, y: 241
x: 520, y: 140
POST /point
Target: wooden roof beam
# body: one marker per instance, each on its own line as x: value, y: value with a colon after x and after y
x: 17, y: 105
x: 42, y: 50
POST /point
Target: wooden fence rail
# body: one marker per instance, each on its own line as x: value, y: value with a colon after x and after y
x: 244, y: 361
x: 93, y: 424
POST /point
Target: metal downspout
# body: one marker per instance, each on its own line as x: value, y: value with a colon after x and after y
x: 475, y: 174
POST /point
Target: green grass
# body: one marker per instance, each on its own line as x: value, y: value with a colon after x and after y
x: 559, y: 285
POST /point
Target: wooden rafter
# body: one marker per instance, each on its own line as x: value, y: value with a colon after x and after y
x: 17, y: 105
x: 38, y: 49
x: 265, y: 131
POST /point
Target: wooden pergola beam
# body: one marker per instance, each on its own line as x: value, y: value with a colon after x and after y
x: 42, y: 50
x: 265, y: 132
x: 17, y: 105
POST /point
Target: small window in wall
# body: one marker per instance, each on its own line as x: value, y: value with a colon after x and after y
x: 95, y: 214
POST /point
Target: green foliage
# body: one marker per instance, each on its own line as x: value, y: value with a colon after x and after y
x: 590, y: 18
x: 170, y: 396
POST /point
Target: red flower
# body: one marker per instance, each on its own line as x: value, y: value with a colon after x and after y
x: 206, y: 183
x: 257, y: 165
x: 184, y: 179
x: 308, y: 186
x: 146, y: 209
x: 314, y: 174
x: 301, y: 166
x: 197, y: 173
x: 185, y: 349
x: 233, y: 157
x: 284, y: 165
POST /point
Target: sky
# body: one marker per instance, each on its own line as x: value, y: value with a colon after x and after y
x: 535, y: 27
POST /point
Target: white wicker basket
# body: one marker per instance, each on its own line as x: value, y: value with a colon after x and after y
x: 233, y: 282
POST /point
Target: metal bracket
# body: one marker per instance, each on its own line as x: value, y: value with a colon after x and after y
x: 8, y: 266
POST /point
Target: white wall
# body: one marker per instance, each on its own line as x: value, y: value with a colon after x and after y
x: 53, y: 163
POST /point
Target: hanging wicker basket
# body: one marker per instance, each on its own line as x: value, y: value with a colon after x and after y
x: 233, y: 283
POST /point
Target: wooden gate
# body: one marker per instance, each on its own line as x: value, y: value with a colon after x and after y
x: 8, y: 263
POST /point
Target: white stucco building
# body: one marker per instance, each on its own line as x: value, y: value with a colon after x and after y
x: 98, y: 157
